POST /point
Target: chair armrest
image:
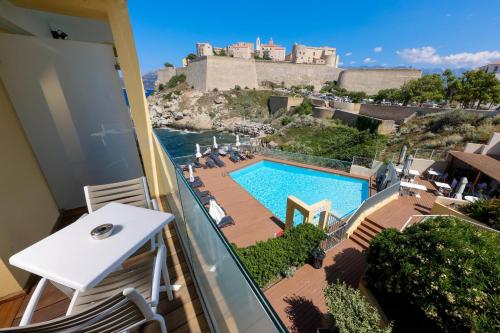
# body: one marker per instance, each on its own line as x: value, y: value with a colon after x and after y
x: 154, y: 203
x: 35, y: 297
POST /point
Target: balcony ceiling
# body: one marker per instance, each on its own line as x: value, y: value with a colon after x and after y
x: 92, y: 9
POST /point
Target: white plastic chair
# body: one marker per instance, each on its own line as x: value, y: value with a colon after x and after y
x: 131, y: 192
x: 121, y: 312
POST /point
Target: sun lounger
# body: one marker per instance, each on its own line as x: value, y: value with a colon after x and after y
x: 248, y: 154
x: 226, y: 221
x: 196, y: 183
x: 206, y: 200
x: 209, y: 163
x: 233, y: 157
x: 217, y: 160
x: 197, y: 164
x: 241, y: 156
x: 201, y: 193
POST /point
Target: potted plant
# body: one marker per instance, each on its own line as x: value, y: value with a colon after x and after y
x: 317, y: 257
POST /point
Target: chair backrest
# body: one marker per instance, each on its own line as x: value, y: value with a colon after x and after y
x: 118, y: 313
x: 131, y: 192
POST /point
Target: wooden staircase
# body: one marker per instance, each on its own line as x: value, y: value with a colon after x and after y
x: 365, y: 232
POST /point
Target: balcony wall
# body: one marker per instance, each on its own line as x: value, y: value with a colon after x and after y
x: 27, y: 209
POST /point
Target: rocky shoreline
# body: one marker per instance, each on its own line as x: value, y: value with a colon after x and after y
x: 192, y: 110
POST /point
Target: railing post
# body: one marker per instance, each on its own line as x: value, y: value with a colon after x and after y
x: 432, y: 153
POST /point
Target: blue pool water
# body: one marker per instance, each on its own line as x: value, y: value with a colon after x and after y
x: 271, y: 183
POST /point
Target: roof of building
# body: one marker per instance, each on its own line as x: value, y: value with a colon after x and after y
x: 486, y: 164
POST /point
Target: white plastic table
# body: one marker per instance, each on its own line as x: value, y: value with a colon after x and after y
x: 433, y: 174
x: 471, y: 198
x: 72, y: 258
x: 412, y: 171
x: 413, y: 186
x: 443, y: 186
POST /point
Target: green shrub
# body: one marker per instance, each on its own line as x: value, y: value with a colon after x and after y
x: 451, y: 120
x: 286, y: 120
x: 351, y: 313
x: 167, y: 65
x: 268, y: 260
x: 486, y: 211
x: 161, y: 86
x: 175, y: 80
x: 237, y: 87
x: 447, y: 269
x: 304, y: 108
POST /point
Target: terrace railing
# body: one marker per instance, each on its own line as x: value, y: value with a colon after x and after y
x: 336, y: 231
x: 371, y: 203
x: 306, y: 159
x: 230, y: 297
x: 422, y: 153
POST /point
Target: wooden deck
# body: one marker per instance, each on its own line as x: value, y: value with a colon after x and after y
x: 299, y: 300
x: 254, y: 222
x: 183, y: 314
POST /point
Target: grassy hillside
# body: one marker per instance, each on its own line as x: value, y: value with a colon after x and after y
x: 249, y: 103
x: 333, y: 141
x: 451, y: 130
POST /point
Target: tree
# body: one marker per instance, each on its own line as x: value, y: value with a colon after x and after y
x: 429, y: 88
x: 391, y: 95
x: 191, y: 56
x: 451, y: 84
x: 167, y: 65
x: 407, y: 92
x: 444, y: 267
x: 478, y: 86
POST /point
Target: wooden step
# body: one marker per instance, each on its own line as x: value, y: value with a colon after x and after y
x: 367, y: 231
x: 364, y: 244
x: 373, y: 225
x: 363, y: 236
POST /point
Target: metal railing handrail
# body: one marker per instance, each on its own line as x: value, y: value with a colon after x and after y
x: 372, y: 201
x: 425, y: 217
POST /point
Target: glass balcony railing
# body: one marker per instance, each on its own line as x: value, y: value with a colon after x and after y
x: 232, y: 300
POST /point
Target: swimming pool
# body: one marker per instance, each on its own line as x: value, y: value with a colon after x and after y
x: 271, y: 183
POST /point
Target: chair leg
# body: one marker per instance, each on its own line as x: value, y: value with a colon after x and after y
x: 159, y: 319
x: 166, y: 281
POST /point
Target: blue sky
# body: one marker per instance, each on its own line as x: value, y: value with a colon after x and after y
x: 423, y: 34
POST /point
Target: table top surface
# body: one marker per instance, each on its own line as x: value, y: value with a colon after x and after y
x: 443, y: 185
x: 74, y: 259
x: 413, y: 185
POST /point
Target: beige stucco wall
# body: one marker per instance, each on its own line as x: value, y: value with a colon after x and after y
x: 372, y: 80
x: 28, y: 211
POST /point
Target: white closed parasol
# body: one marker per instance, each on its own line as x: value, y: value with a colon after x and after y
x: 198, y: 151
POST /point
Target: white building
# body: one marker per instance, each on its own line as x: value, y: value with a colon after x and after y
x: 271, y: 51
x: 242, y: 50
x: 204, y: 49
x: 324, y: 55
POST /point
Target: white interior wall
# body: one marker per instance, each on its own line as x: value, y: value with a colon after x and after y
x: 68, y: 97
x: 36, y: 23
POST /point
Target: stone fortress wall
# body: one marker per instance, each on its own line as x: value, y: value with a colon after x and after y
x: 223, y: 73
x: 295, y: 74
x: 372, y: 80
